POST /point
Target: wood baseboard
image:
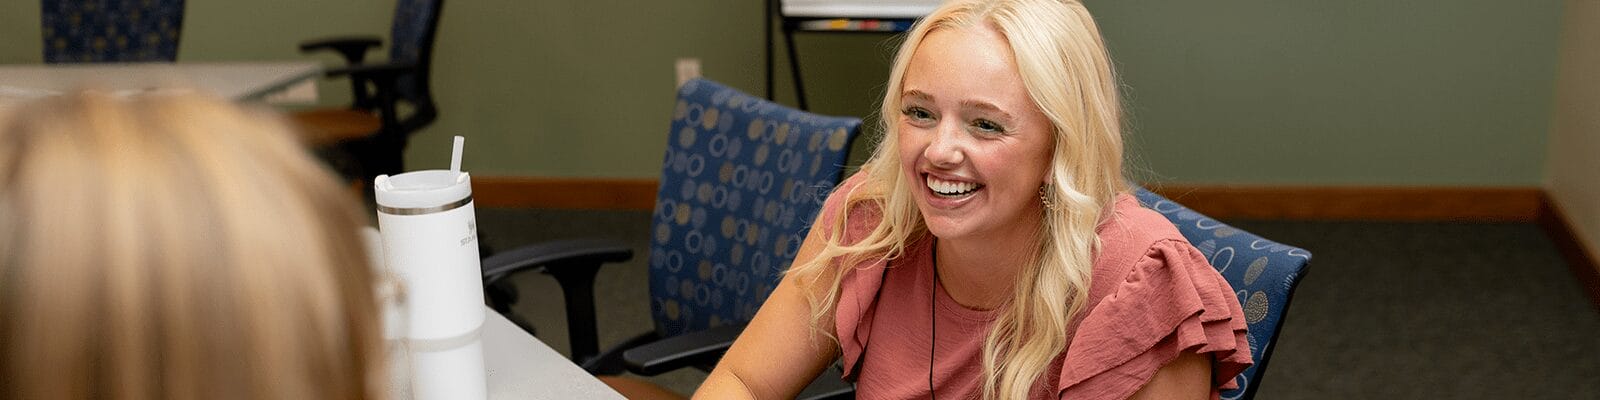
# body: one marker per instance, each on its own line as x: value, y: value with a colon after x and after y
x: 570, y: 193
x: 1579, y: 259
x: 1492, y: 204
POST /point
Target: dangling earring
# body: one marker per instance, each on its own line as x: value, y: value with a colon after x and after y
x: 1044, y: 198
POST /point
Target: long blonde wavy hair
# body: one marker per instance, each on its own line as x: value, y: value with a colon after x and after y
x: 1068, y: 75
x: 177, y: 247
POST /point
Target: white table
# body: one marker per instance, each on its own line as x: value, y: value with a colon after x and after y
x: 289, y: 81
x: 516, y: 366
x: 522, y: 367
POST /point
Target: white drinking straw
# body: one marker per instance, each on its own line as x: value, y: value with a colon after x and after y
x: 455, y: 154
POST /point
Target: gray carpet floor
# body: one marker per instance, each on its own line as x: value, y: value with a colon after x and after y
x: 1388, y: 310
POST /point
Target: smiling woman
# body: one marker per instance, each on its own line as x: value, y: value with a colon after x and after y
x: 982, y: 164
x: 989, y: 248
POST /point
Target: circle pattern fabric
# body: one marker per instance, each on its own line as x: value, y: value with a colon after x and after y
x: 111, y: 30
x: 741, y: 181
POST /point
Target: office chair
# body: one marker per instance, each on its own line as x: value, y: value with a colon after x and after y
x: 369, y: 137
x: 741, y: 181
x: 77, y: 31
x: 1262, y: 273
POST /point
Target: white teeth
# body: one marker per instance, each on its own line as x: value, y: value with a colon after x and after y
x: 950, y: 188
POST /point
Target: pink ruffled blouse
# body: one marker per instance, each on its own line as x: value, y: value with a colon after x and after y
x: 1152, y: 296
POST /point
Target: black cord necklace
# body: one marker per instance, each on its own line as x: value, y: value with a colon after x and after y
x: 933, y: 323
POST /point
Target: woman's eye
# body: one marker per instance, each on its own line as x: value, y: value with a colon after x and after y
x: 988, y: 126
x: 917, y: 113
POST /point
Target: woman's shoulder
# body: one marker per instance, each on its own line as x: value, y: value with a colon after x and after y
x: 1153, y: 295
x: 1132, y: 231
x: 1136, y: 240
x: 860, y: 215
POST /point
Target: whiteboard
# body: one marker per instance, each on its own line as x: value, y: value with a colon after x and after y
x: 910, y: 9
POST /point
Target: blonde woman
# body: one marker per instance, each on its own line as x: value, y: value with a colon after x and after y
x: 989, y: 248
x: 176, y: 247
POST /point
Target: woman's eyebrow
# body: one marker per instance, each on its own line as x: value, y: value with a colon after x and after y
x: 987, y: 106
x: 974, y: 104
x: 917, y: 94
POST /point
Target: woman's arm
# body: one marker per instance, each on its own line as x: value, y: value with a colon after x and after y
x: 1187, y: 377
x: 779, y: 353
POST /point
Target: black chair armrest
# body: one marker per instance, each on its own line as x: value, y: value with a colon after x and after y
x: 353, y: 48
x: 559, y: 253
x: 828, y: 386
x: 696, y: 349
x: 375, y: 71
x: 574, y: 264
x: 382, y: 96
x: 687, y: 350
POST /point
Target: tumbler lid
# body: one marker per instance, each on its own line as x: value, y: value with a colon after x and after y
x: 426, y: 191
x: 422, y: 189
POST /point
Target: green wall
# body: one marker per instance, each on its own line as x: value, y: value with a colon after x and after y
x: 1363, y: 92
x: 585, y: 88
x: 1404, y: 92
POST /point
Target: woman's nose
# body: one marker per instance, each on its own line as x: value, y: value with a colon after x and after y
x: 946, y: 149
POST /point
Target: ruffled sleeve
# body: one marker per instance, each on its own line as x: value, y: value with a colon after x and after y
x: 858, y: 297
x: 1170, y: 301
x: 858, y: 289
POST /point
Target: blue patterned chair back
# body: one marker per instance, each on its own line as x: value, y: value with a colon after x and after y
x: 411, y: 36
x: 742, y: 179
x: 110, y: 30
x: 1262, y: 272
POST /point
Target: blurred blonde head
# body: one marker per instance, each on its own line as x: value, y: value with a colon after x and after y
x: 1067, y: 72
x: 176, y: 247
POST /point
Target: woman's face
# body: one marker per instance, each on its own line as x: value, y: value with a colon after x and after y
x: 970, y: 139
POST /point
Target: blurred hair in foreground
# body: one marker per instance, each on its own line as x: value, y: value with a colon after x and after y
x: 177, y: 246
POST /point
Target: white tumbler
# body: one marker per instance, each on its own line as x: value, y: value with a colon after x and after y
x: 390, y: 293
x: 430, y: 241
